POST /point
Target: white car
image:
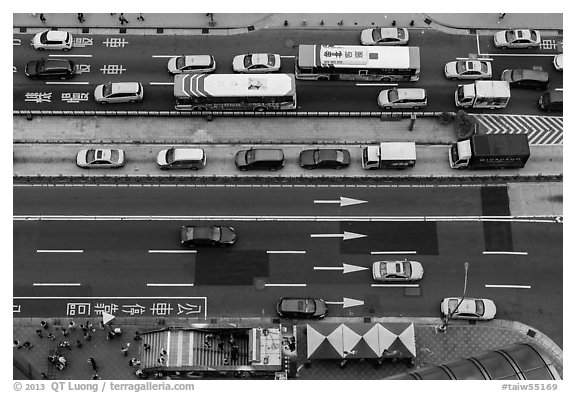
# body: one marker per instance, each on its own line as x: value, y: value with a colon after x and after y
x: 517, y: 39
x: 384, y: 36
x: 469, y: 308
x: 468, y: 69
x: 198, y: 64
x: 256, y: 63
x: 559, y: 62
x: 119, y: 92
x: 397, y: 270
x: 52, y: 40
x: 100, y: 158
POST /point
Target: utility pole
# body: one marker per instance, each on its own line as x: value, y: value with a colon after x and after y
x: 442, y: 328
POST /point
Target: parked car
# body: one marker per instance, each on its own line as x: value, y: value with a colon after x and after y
x: 256, y: 63
x: 200, y: 235
x: 528, y: 79
x: 469, y: 308
x: 181, y: 158
x: 468, y: 69
x: 271, y: 159
x: 198, y: 64
x: 52, y: 40
x: 384, y: 36
x: 397, y: 270
x: 559, y: 62
x: 324, y: 158
x: 119, y: 92
x: 551, y: 101
x: 517, y: 39
x: 100, y: 158
x: 292, y: 307
x: 402, y: 98
x: 49, y: 69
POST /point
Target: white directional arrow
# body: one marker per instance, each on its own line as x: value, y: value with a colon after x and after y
x: 343, y: 201
x: 347, y: 302
x: 346, y: 268
x: 107, y: 317
x: 344, y: 236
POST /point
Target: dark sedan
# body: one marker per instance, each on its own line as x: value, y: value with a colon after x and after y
x: 324, y: 158
x: 50, y: 69
x: 291, y: 307
x: 197, y: 235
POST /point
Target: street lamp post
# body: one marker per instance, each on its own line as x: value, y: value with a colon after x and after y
x: 442, y: 328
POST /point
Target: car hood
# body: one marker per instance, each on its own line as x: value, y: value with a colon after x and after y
x: 172, y: 65
x: 307, y: 157
x: 417, y: 271
x: 366, y: 37
x: 240, y: 158
x: 489, y: 309
x: 227, y: 235
x: 507, y: 75
x: 98, y: 92
x: 238, y: 62
x: 450, y: 69
x: 31, y: 68
x: 81, y: 157
x: 161, y: 159
x: 500, y: 37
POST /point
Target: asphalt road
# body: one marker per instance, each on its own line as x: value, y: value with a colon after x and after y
x: 127, y: 259
x: 130, y: 58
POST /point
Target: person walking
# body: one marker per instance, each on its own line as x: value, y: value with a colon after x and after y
x: 122, y: 19
x: 17, y: 344
x: 146, y: 346
x: 72, y: 326
x: 78, y: 344
x: 124, y: 349
x: 140, y: 17
x: 81, y: 17
x: 42, y: 18
x: 64, y: 332
x: 93, y: 364
x: 39, y: 332
x: 51, y: 336
x: 44, y: 324
x: 87, y: 336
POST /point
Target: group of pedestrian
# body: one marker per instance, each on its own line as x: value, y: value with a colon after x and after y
x: 58, y: 360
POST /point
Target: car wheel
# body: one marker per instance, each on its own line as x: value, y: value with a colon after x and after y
x: 272, y: 169
x: 453, y: 79
x: 385, y: 79
x: 504, y: 47
x: 103, y: 102
x: 416, y: 107
x: 322, y: 78
x: 40, y: 49
x: 388, y: 108
x: 243, y: 169
x: 66, y: 49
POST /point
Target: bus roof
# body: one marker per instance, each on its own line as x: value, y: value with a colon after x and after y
x: 233, y: 85
x: 352, y: 56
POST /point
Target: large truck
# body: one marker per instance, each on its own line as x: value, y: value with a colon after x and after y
x: 490, y: 151
x: 483, y: 94
x: 389, y: 155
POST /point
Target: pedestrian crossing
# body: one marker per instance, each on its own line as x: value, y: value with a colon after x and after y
x: 541, y: 130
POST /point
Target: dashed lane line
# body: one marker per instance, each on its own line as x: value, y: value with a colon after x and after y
x: 504, y: 253
x: 284, y: 285
x: 285, y: 252
x: 168, y: 285
x: 172, y: 251
x: 56, y: 284
x: 391, y: 252
x: 508, y: 286
x: 59, y: 251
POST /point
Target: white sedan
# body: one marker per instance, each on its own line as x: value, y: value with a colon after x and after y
x: 256, y: 63
x: 517, y: 39
x: 197, y: 64
x: 384, y: 36
x: 100, y: 158
x: 468, y: 69
x: 468, y: 308
x: 397, y: 270
x: 52, y: 40
x: 559, y: 62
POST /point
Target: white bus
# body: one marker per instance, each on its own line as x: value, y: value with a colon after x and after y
x: 366, y: 63
x: 260, y: 92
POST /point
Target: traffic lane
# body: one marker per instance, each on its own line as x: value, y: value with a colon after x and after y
x: 257, y: 200
x: 549, y: 45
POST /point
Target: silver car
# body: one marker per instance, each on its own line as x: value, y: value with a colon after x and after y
x: 468, y: 308
x: 198, y: 64
x: 517, y: 39
x: 256, y: 63
x: 100, y: 158
x: 468, y: 69
x: 397, y: 270
x: 119, y: 92
x: 403, y: 98
x: 384, y: 36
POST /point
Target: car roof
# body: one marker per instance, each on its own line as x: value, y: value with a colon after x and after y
x: 202, y: 232
x: 125, y: 87
x: 534, y: 75
x: 412, y: 93
x: 56, y: 35
x: 260, y: 58
x: 389, y: 32
x: 55, y: 63
x: 198, y: 60
x: 295, y: 304
x: 268, y: 154
x: 195, y: 154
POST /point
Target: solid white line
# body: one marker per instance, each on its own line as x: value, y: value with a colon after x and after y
x: 391, y: 252
x: 67, y: 83
x: 107, y: 297
x: 169, y: 285
x: 328, y: 268
x: 504, y: 253
x: 327, y: 235
x: 287, y: 57
x: 285, y: 252
x: 376, y: 84
x: 164, y: 56
x: 559, y: 89
x: 396, y: 285
x: 55, y: 284
x: 518, y: 54
x: 284, y: 285
x: 172, y: 251
x: 47, y: 251
x: 509, y: 286
x: 70, y: 55
x: 162, y: 83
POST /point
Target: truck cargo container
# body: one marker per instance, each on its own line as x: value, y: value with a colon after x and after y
x: 490, y: 151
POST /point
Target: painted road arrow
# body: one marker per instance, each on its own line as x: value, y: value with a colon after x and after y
x: 343, y: 201
x: 346, y: 268
x: 347, y: 302
x: 107, y: 317
x: 344, y: 236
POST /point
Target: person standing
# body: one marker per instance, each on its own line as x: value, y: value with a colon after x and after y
x: 81, y: 17
x: 43, y: 20
x: 93, y: 364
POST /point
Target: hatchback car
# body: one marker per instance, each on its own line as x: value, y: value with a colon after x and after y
x: 292, y: 307
x: 517, y: 39
x: 100, y: 158
x: 469, y: 308
x: 397, y: 270
x: 52, y: 40
x: 50, y: 69
x: 528, y: 79
x: 198, y: 64
x: 271, y: 159
x: 384, y: 36
x: 256, y: 63
x: 119, y: 92
x: 324, y: 158
x: 408, y: 98
x: 197, y: 235
x: 181, y: 158
x: 551, y: 101
x: 468, y: 69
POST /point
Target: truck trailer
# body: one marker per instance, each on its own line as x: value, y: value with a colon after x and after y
x: 389, y: 155
x: 491, y: 151
x: 483, y: 94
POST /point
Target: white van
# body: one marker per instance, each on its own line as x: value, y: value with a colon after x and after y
x: 411, y: 98
x: 182, y: 158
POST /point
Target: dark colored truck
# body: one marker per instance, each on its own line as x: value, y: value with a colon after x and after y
x: 492, y: 151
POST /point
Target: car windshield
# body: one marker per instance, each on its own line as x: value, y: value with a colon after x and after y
x: 484, y: 67
x: 376, y: 34
x: 247, y: 61
x: 460, y: 67
x: 407, y: 268
x: 401, y: 34
x: 533, y: 36
x: 271, y: 60
x: 170, y: 156
x: 392, y: 95
x: 114, y: 155
x: 479, y: 307
x: 516, y: 75
x: 510, y: 35
x: 44, y: 37
x: 180, y: 62
x: 107, y: 89
x: 90, y: 155
x: 250, y: 156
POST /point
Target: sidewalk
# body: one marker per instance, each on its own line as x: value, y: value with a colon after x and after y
x: 460, y: 340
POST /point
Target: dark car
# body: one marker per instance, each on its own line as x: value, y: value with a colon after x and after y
x: 324, y: 158
x: 527, y: 79
x: 270, y: 159
x: 292, y: 307
x: 197, y: 235
x: 50, y: 69
x: 551, y: 101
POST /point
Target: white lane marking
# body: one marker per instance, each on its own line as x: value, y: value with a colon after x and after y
x: 70, y: 55
x: 391, y: 252
x: 559, y: 89
x: 509, y: 286
x: 67, y: 83
x: 47, y: 251
x: 164, y: 56
x: 169, y: 285
x: 395, y: 285
x: 504, y: 253
x: 478, y: 44
x: 162, y: 83
x: 284, y: 285
x: 287, y: 57
x: 376, y: 84
x: 480, y: 58
x: 517, y: 55
x: 107, y: 297
x: 172, y: 251
x: 56, y: 284
x: 285, y: 252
